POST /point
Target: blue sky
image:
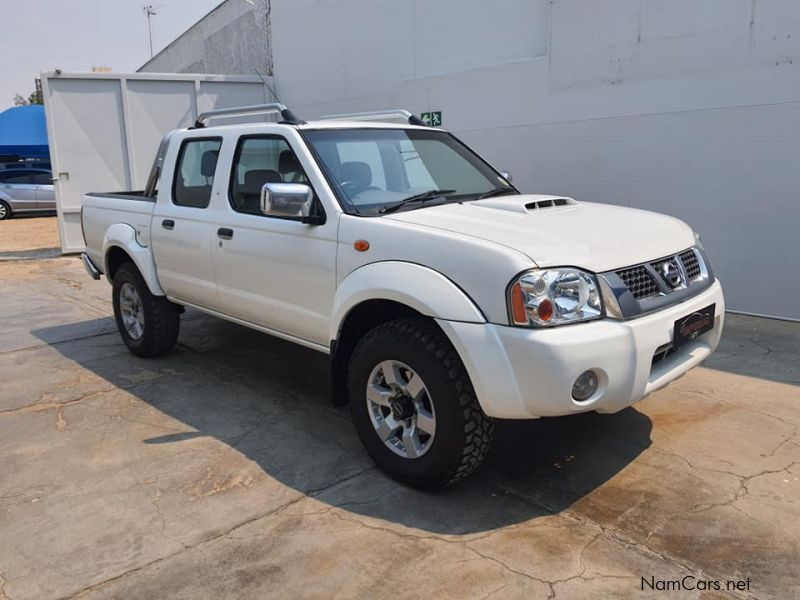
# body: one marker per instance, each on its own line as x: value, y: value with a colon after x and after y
x: 76, y: 35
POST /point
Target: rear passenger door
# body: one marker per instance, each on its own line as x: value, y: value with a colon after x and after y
x: 181, y: 231
x: 19, y: 187
x: 45, y: 195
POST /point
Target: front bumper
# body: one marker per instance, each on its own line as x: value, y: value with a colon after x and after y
x: 522, y: 373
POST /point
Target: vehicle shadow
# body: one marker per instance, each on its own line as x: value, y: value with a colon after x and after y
x: 269, y: 400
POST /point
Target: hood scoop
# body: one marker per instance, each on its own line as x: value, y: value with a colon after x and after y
x: 549, y: 203
x: 525, y: 203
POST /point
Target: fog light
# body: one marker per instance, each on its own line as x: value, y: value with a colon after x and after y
x: 585, y: 385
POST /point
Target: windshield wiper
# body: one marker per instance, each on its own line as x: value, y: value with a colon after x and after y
x: 496, y: 192
x: 423, y: 197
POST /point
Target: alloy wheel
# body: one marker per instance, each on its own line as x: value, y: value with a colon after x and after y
x: 130, y: 306
x: 401, y: 409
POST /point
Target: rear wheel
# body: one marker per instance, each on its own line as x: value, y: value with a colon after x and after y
x: 5, y: 211
x: 414, y: 407
x: 148, y: 324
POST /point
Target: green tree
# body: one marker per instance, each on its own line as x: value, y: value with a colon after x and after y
x: 33, y: 98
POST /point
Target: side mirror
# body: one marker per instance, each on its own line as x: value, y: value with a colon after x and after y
x: 507, y: 176
x: 288, y: 200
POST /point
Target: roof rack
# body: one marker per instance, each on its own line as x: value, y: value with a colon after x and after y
x: 287, y: 115
x: 378, y: 115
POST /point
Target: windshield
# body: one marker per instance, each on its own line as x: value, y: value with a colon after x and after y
x: 372, y: 170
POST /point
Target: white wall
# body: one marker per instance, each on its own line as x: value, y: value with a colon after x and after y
x: 231, y: 39
x: 688, y: 107
x: 104, y: 129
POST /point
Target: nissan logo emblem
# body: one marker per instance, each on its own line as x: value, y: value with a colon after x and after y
x: 671, y: 274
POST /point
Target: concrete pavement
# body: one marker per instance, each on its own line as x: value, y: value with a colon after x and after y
x: 223, y: 471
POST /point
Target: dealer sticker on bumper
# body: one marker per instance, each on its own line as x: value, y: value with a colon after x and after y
x: 691, y: 326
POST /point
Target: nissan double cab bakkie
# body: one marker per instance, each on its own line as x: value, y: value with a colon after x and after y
x: 445, y: 298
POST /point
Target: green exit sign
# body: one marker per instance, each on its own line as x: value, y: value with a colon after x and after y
x: 433, y: 118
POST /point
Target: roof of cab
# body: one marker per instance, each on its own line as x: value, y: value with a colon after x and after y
x: 337, y: 124
x: 310, y: 125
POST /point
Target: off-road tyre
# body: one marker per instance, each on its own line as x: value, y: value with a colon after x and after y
x: 463, y: 432
x: 161, y: 317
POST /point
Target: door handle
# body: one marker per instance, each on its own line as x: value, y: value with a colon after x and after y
x: 168, y: 224
x: 225, y: 233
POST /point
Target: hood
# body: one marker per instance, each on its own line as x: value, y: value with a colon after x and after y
x: 557, y: 231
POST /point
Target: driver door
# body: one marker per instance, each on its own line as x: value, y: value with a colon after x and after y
x: 274, y: 272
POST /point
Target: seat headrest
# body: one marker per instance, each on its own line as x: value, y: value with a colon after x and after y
x: 254, y: 180
x: 208, y: 163
x: 288, y: 163
x: 356, y: 172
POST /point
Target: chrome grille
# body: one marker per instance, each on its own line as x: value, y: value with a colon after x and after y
x: 690, y: 264
x: 649, y: 286
x: 659, y: 264
x: 639, y: 282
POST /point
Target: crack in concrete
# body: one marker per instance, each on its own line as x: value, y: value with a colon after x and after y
x: 623, y: 539
x: 40, y: 406
x: 198, y: 545
x: 551, y: 591
x: 697, y: 467
x: 45, y: 344
x: 767, y: 350
x: 3, y: 595
x: 785, y: 441
x: 468, y: 544
x: 445, y: 540
x: 495, y: 591
x: 743, y: 489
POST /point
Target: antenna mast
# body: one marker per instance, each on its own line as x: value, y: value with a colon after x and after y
x: 150, y: 12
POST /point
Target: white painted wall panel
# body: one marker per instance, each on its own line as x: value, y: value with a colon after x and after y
x: 688, y: 107
x: 776, y: 31
x: 744, y: 200
x: 448, y: 39
x: 104, y: 129
x: 155, y: 107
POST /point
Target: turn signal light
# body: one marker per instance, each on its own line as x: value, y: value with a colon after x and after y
x: 518, y: 305
x: 361, y: 245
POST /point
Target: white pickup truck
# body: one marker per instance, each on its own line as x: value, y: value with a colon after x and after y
x: 444, y: 296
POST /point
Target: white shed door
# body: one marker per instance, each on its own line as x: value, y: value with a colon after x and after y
x: 104, y: 129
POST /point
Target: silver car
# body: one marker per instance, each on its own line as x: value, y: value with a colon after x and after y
x: 26, y: 190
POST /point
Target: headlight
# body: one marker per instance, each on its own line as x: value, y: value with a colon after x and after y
x: 548, y: 297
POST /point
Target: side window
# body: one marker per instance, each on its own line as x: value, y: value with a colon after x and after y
x: 43, y: 179
x: 21, y: 177
x: 260, y: 160
x: 194, y: 175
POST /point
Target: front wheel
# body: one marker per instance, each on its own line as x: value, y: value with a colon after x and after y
x: 414, y: 407
x: 5, y: 211
x: 148, y: 324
